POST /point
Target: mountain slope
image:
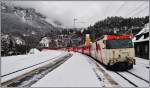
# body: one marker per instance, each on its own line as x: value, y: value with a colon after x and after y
x: 24, y: 20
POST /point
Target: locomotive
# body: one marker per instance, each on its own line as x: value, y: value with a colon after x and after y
x: 115, y: 52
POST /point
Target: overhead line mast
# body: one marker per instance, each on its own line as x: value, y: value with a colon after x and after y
x: 74, y: 21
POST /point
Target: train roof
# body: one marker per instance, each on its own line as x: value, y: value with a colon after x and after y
x: 113, y: 35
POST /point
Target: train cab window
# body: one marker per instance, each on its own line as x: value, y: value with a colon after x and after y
x: 114, y: 44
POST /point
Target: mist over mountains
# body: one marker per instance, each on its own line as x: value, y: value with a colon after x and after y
x: 25, y: 28
x: 25, y: 21
x: 22, y: 27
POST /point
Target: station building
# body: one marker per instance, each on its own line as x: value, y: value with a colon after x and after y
x: 141, y: 43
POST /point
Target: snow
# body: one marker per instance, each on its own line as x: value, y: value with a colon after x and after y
x: 141, y: 72
x: 18, y: 40
x: 116, y: 77
x: 13, y: 63
x: 144, y: 30
x: 34, y: 51
x: 75, y: 72
x: 106, y: 81
x: 141, y: 39
x: 140, y: 68
x: 142, y: 62
x: 134, y: 79
x: 122, y: 82
x: 45, y: 41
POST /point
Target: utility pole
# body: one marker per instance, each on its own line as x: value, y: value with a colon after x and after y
x: 25, y: 45
x: 74, y: 20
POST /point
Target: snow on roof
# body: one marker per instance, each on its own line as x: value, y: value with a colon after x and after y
x: 144, y: 30
x: 143, y: 35
x: 34, y: 51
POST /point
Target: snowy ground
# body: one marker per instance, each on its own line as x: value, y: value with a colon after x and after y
x: 75, y: 72
x: 78, y: 71
x: 142, y: 62
x: 140, y: 70
x: 11, y: 64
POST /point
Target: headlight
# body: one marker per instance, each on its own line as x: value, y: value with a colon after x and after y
x: 111, y: 62
x: 129, y: 59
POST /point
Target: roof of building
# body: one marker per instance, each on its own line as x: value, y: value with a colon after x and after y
x: 143, y: 35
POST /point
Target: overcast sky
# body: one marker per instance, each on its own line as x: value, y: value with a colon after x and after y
x: 86, y: 12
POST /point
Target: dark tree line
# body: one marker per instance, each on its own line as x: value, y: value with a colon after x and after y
x: 10, y: 47
x: 106, y: 26
x: 118, y: 25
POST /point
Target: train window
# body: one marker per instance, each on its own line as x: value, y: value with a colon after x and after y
x: 112, y: 44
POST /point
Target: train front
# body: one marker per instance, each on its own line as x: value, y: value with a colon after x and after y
x: 120, y: 52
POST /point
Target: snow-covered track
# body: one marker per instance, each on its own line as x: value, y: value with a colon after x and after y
x: 126, y: 79
x: 133, y: 79
x: 27, y: 67
x: 138, y: 76
x: 29, y: 78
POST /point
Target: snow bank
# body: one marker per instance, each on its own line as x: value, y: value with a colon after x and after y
x: 75, y: 72
x: 13, y: 63
x: 142, y: 62
x: 34, y: 51
x: 140, y: 68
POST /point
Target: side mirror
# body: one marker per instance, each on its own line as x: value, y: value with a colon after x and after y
x: 104, y: 42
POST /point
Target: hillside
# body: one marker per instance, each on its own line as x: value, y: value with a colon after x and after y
x: 24, y: 21
x: 22, y: 29
x: 116, y: 25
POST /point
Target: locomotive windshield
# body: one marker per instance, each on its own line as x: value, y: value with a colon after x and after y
x: 122, y: 43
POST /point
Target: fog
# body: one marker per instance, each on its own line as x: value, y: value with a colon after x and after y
x: 86, y: 12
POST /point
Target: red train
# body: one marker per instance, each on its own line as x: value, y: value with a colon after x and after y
x: 115, y: 52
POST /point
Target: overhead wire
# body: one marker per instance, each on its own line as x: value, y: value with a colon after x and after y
x: 134, y: 9
x: 119, y: 8
x: 139, y: 11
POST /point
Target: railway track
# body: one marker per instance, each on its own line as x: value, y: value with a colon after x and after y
x: 134, y: 80
x: 126, y: 79
x: 29, y: 78
x: 102, y: 75
x: 28, y: 67
x: 138, y: 76
x: 124, y: 76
